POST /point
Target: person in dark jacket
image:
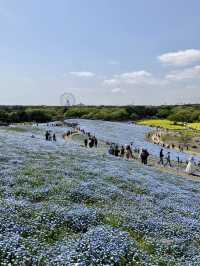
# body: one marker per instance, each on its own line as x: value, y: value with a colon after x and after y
x: 129, y: 153
x: 95, y: 142
x: 161, y: 157
x: 47, y: 135
x: 144, y: 156
x: 111, y: 150
x: 168, y: 159
x: 91, y: 142
x: 116, y: 151
x: 122, y: 151
x: 86, y: 142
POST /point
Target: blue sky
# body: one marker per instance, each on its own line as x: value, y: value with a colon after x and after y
x: 103, y: 51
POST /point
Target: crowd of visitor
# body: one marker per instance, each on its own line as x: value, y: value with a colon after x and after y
x: 125, y: 151
x: 49, y: 136
x: 89, y: 140
x: 128, y: 151
x: 157, y: 139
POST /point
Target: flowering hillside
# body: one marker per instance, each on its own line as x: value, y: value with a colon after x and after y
x: 62, y: 204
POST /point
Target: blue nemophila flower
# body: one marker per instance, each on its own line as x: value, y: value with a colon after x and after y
x: 61, y: 204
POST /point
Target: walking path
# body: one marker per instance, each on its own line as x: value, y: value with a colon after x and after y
x: 178, y: 169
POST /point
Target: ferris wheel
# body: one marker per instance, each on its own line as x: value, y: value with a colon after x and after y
x: 67, y: 99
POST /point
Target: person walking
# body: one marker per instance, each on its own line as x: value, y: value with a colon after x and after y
x: 111, y: 150
x: 47, y: 135
x: 144, y: 156
x: 50, y: 137
x: 86, y: 142
x: 95, y: 142
x: 116, y: 151
x: 178, y: 160
x: 122, y: 151
x: 129, y: 152
x: 190, y: 166
x: 168, y: 162
x: 140, y: 153
x: 161, y: 157
x: 91, y: 142
x: 54, y: 137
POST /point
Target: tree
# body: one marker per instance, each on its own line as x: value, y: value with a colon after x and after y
x: 38, y: 116
x: 181, y: 116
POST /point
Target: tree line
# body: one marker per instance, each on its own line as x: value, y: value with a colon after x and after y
x: 42, y: 114
x: 181, y: 113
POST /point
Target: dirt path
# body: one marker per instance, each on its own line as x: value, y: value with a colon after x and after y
x: 152, y: 160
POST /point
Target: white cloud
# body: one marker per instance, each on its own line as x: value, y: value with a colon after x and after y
x: 117, y: 90
x: 187, y: 73
x: 84, y: 74
x: 112, y: 81
x: 136, y: 77
x: 180, y: 58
